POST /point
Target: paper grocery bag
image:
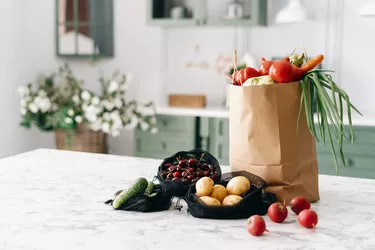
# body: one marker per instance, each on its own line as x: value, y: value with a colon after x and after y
x: 264, y: 139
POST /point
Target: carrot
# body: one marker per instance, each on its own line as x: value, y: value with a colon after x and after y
x: 312, y: 63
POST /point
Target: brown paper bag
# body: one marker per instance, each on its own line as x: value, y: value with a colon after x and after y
x: 264, y: 139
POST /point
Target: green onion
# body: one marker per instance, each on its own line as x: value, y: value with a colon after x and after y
x: 330, y: 114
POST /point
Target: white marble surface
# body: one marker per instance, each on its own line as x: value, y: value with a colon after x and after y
x: 222, y: 112
x: 53, y: 200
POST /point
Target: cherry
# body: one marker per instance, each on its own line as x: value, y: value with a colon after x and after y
x: 164, y: 175
x: 199, y: 170
x: 190, y: 169
x: 176, y: 179
x: 212, y: 168
x: 178, y: 168
x: 200, y: 174
x: 193, y: 162
x: 191, y: 177
x: 176, y: 174
x: 183, y: 163
x: 172, y: 168
x: 170, y: 176
x: 184, y: 173
x: 206, y: 173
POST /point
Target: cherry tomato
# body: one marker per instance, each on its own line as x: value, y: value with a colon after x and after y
x: 282, y: 71
x: 245, y: 74
x: 265, y: 67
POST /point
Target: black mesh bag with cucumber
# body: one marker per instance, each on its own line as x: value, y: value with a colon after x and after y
x: 238, y: 195
x: 142, y: 196
x: 177, y: 172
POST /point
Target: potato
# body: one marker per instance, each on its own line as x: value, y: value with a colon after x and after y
x: 219, y: 192
x: 209, y: 201
x: 231, y: 200
x: 238, y: 185
x: 204, y: 186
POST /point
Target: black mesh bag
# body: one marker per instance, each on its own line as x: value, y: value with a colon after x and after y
x: 143, y: 203
x: 255, y: 201
x: 180, y: 187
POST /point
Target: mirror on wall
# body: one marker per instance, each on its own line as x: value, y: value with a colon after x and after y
x: 84, y: 28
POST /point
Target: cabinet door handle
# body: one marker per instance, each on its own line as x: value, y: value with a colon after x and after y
x: 163, y: 145
x: 220, y: 151
x: 220, y: 127
x: 350, y: 162
x: 165, y: 123
x: 204, y: 21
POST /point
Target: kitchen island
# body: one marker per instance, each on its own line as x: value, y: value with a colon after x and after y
x: 55, y: 200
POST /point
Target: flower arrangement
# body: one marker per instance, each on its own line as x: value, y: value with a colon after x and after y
x: 59, y: 101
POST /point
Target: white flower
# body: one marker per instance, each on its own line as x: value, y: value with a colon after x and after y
x: 113, y: 87
x: 106, y: 116
x: 118, y: 103
x: 146, y: 111
x: 133, y: 123
x: 71, y: 112
x: 124, y: 87
x: 23, y: 103
x: 91, y: 113
x: 44, y: 104
x: 95, y: 100
x: 154, y: 130
x: 115, y: 133
x: 105, y: 127
x: 97, y: 125
x: 108, y: 105
x: 22, y: 91
x: 85, y: 95
x: 144, y: 126
x: 33, y: 108
x: 54, y: 107
x: 27, y: 98
x: 42, y: 93
x: 37, y: 100
x: 75, y: 99
x: 78, y: 119
x: 68, y: 120
x: 23, y: 111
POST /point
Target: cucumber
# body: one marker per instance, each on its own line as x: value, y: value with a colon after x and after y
x: 149, y: 188
x: 138, y: 186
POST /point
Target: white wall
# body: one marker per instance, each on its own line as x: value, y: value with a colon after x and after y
x: 28, y: 49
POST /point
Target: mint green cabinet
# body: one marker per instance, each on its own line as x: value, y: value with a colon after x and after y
x: 212, y: 134
x: 178, y: 13
x: 175, y: 134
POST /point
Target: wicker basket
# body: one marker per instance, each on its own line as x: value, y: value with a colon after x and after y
x: 82, y: 139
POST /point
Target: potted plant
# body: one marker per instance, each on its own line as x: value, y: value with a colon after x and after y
x: 80, y: 118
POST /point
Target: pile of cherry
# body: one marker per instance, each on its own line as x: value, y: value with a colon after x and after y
x: 278, y: 213
x: 188, y: 170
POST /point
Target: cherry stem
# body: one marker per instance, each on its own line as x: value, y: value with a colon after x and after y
x: 313, y: 225
x: 266, y: 230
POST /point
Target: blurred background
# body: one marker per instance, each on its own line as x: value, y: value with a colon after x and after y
x: 167, y: 48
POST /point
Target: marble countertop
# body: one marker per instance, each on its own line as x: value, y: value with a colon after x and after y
x: 52, y: 200
x: 222, y: 112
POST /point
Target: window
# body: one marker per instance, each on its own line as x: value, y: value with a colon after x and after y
x: 84, y: 28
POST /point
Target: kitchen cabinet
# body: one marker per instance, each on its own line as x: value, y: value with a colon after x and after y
x: 212, y: 134
x: 193, y: 13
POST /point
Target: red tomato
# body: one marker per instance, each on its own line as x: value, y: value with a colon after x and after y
x: 245, y: 74
x: 250, y: 72
x: 240, y: 77
x: 298, y: 73
x: 265, y: 67
x: 282, y: 71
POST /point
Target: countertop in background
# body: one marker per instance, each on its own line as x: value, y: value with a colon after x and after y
x: 222, y: 112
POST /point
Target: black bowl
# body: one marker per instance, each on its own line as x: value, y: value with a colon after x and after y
x: 179, y: 188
